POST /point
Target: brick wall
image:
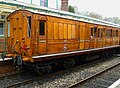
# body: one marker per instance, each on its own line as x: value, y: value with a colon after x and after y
x: 64, y: 5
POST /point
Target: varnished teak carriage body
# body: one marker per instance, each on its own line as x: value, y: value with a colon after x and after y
x: 36, y: 37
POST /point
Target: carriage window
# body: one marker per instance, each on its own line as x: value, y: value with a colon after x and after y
x: 116, y: 33
x: 95, y: 32
x: 42, y: 28
x: 108, y: 33
x: 99, y: 33
x: 29, y: 25
x: 91, y: 32
x: 111, y: 33
x: 1, y: 28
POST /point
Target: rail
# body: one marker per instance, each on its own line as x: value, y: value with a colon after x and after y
x: 91, y: 77
x: 28, y: 81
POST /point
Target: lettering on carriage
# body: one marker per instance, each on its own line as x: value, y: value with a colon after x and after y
x: 82, y: 40
x: 42, y: 41
x: 65, y: 40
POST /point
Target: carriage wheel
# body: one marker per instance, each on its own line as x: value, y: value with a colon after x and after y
x: 17, y: 62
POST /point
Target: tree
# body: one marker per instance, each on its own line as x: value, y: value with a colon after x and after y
x: 108, y: 19
x: 74, y: 9
x: 92, y: 14
x: 116, y: 20
x: 71, y: 9
x: 112, y: 19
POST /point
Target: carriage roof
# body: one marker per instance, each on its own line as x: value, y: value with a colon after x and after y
x: 72, y: 16
x: 57, y: 13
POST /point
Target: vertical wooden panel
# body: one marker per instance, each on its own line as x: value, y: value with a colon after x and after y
x: 15, y: 20
x: 69, y: 31
x: 73, y: 32
x: 87, y: 35
x: 77, y: 29
x: 50, y: 30
x: 117, y: 35
x: 11, y: 27
x: 65, y: 31
x: 103, y: 34
x: 82, y: 35
x: 25, y: 27
x: 107, y: 36
x: 20, y: 20
x: 56, y: 31
x: 61, y: 31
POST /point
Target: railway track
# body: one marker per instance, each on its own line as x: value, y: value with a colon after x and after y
x: 81, y: 83
x: 6, y: 66
x: 28, y: 81
x: 35, y: 78
x: 22, y: 83
x: 10, y: 74
x: 15, y: 77
x: 7, y: 69
x: 54, y: 78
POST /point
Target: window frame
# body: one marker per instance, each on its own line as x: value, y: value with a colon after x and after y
x: 8, y: 28
x: 91, y: 32
x: 29, y: 22
x: 2, y: 28
x: 43, y: 3
x: 95, y: 35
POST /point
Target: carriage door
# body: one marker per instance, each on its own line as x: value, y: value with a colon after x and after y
x: 41, y: 35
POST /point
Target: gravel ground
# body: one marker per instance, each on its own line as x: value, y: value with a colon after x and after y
x: 72, y: 75
x: 9, y: 80
x: 104, y: 80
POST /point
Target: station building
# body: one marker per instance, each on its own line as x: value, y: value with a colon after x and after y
x: 45, y: 3
x: 3, y: 16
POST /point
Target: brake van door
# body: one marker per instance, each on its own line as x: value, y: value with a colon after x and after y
x: 41, y: 33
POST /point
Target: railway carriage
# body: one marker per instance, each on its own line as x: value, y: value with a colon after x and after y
x: 35, y: 38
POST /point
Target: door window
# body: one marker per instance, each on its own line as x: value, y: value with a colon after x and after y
x: 41, y: 27
x: 29, y: 25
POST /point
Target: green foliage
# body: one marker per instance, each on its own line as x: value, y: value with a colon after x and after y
x: 71, y: 9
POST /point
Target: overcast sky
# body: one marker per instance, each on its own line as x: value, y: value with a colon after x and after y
x: 108, y: 8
